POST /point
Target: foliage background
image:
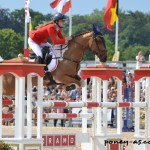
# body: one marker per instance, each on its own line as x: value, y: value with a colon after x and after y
x: 134, y: 31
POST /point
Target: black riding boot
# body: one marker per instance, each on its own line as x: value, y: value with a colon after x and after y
x: 40, y: 60
x: 48, y: 59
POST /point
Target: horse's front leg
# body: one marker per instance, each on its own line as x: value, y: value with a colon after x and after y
x: 68, y: 80
x: 77, y: 77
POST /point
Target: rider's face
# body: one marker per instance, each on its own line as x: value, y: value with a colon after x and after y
x: 61, y: 23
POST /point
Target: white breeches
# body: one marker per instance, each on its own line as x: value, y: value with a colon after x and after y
x: 37, y: 49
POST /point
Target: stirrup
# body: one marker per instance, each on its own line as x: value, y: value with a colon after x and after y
x: 40, y: 60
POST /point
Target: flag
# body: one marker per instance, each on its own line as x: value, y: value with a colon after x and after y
x: 30, y: 26
x: 27, y: 14
x: 116, y: 58
x: 61, y: 6
x: 30, y: 29
x: 111, y: 13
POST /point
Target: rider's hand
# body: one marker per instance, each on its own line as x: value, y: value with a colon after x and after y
x: 68, y: 38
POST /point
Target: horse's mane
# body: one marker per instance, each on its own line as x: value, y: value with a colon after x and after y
x: 74, y: 36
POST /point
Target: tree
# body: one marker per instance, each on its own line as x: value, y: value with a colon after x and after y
x: 11, y: 43
x: 18, y: 21
x: 135, y: 29
x: 37, y: 18
x: 5, y: 20
x: 110, y: 47
x: 131, y: 52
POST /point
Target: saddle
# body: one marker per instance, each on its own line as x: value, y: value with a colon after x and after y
x: 47, y: 58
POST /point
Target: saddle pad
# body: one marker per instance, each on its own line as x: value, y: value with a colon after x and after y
x: 59, y: 50
x: 53, y: 64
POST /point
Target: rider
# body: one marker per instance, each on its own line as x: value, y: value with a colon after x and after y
x: 38, y: 38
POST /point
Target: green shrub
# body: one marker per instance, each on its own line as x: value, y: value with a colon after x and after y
x: 4, y: 146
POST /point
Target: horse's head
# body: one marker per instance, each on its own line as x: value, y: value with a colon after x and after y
x: 97, y: 44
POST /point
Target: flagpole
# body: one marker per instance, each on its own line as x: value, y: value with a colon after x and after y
x: 116, y: 41
x: 116, y: 36
x: 26, y: 51
x: 27, y: 15
x: 25, y: 35
x: 70, y: 20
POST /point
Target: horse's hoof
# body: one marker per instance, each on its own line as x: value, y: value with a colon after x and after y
x: 71, y: 87
x: 82, y: 83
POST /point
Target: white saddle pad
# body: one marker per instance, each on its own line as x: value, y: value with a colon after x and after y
x: 57, y: 52
x: 53, y: 64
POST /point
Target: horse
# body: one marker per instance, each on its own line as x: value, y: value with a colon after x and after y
x: 66, y: 72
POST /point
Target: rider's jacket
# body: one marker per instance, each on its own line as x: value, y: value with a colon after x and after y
x: 39, y: 36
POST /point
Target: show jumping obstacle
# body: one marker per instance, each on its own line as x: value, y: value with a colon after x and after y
x: 21, y: 68
x: 99, y: 106
x: 100, y: 129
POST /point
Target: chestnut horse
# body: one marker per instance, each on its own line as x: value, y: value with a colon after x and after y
x: 67, y: 69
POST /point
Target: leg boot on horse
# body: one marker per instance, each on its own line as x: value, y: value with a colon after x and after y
x: 40, y: 60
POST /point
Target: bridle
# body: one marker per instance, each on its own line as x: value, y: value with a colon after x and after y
x: 86, y: 47
x: 102, y: 39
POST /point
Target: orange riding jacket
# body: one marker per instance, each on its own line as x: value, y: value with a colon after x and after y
x: 39, y: 36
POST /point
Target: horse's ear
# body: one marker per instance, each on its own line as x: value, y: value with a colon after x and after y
x: 97, y: 30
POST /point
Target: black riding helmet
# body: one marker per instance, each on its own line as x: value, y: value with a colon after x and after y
x: 59, y: 16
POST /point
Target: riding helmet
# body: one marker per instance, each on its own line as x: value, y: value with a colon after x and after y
x: 59, y: 16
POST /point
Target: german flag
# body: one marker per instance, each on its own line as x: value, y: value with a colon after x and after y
x: 111, y: 13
